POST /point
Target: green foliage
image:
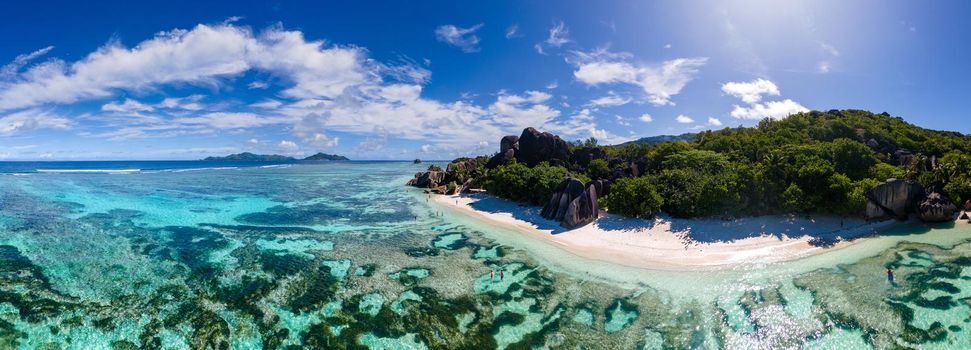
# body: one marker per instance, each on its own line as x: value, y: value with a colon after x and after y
x: 884, y: 171
x: 808, y: 162
x: 434, y: 167
x: 634, y: 197
x: 518, y: 182
x: 589, y: 142
x: 598, y: 169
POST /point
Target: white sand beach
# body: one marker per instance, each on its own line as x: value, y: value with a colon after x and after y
x: 674, y: 244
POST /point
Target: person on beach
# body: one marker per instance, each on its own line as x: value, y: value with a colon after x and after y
x: 492, y: 275
x: 890, y: 275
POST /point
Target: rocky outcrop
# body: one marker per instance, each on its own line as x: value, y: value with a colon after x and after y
x: 501, y: 158
x: 460, y: 170
x: 573, y: 204
x: 893, y: 199
x: 510, y: 142
x: 427, y: 179
x: 936, y: 206
x: 536, y: 147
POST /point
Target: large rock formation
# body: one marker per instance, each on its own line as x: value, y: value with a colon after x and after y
x: 501, y: 158
x: 427, y: 179
x: 510, y: 142
x: 573, y: 204
x: 893, y: 199
x: 460, y: 170
x: 936, y: 206
x: 536, y: 147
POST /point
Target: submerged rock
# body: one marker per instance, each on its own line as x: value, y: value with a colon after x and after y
x: 893, y: 199
x: 936, y: 206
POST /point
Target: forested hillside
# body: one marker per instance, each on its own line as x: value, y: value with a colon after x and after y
x: 820, y: 162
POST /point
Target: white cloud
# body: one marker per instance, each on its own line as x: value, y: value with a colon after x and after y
x: 714, y: 121
x: 552, y: 85
x: 683, y: 119
x: 189, y: 103
x: 231, y: 120
x: 612, y: 99
x: 31, y: 119
x: 287, y: 146
x: 823, y: 67
x: 751, y: 92
x: 771, y: 109
x: 559, y: 35
x: 826, y: 64
x: 646, y: 118
x: 463, y: 38
x: 323, y: 141
x: 200, y: 56
x: 267, y: 104
x: 324, y: 88
x: 659, y: 81
x: 128, y: 106
x: 10, y: 70
x: 512, y: 31
x: 258, y: 85
x: 253, y: 141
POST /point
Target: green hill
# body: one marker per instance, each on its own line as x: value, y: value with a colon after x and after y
x: 325, y: 156
x: 247, y: 156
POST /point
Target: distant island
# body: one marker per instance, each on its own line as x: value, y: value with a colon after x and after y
x: 251, y: 157
x: 325, y: 156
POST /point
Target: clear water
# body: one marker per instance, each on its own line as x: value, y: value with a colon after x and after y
x: 342, y: 255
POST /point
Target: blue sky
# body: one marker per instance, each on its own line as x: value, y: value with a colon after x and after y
x: 437, y: 80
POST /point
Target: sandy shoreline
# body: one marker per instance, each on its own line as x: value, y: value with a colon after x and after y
x: 672, y: 244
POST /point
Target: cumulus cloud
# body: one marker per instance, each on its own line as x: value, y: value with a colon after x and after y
x: 321, y: 140
x: 463, y: 38
x: 202, y: 56
x: 324, y: 88
x: 659, y: 81
x: 751, y: 92
x: 714, y: 121
x: 683, y: 119
x: 646, y: 118
x: 771, y: 110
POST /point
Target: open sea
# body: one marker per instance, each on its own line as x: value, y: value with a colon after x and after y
x: 333, y: 255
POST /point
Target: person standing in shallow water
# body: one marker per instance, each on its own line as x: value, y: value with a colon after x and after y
x: 890, y: 275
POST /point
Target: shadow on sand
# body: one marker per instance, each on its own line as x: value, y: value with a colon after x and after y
x: 824, y: 231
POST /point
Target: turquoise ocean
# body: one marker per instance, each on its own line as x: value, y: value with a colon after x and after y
x: 334, y: 255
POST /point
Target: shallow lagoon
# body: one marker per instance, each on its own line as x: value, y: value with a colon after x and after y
x: 341, y: 255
